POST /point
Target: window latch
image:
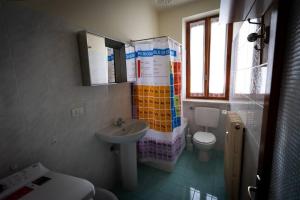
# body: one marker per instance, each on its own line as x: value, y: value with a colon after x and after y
x: 206, y: 77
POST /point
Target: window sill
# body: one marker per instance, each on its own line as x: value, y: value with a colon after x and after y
x: 207, y: 101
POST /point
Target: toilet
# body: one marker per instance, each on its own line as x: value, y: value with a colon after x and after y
x: 36, y: 182
x: 204, y: 141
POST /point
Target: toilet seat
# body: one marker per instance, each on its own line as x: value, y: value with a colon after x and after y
x: 204, y: 138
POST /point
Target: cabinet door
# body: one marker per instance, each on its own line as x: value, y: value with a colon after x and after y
x: 258, y: 8
x: 93, y: 59
x: 240, y: 10
x: 102, y: 59
x: 97, y: 56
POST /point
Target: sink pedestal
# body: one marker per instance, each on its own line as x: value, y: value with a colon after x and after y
x: 128, y: 166
x: 127, y: 136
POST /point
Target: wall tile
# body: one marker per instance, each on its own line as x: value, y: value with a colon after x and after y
x: 241, y: 107
x: 259, y: 84
x: 254, y: 120
x: 251, y: 80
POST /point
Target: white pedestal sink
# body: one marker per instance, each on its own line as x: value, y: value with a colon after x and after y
x: 126, y: 135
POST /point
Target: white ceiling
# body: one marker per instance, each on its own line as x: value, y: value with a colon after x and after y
x: 163, y: 4
x: 158, y: 4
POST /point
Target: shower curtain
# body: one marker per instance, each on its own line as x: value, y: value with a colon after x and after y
x: 156, y: 97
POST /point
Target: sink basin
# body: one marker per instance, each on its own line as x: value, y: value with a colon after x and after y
x: 126, y: 135
x: 131, y: 131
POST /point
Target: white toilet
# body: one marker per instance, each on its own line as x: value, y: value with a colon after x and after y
x: 203, y: 140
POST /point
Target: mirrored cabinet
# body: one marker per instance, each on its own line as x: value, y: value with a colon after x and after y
x: 103, y: 60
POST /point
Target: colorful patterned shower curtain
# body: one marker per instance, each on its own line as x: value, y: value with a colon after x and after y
x: 157, y: 96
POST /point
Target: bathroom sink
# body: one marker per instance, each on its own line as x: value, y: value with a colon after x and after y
x: 129, y: 132
x: 126, y: 133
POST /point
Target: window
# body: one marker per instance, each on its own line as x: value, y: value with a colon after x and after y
x: 208, y: 58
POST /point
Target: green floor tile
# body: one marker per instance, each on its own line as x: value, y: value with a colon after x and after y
x: 191, y: 179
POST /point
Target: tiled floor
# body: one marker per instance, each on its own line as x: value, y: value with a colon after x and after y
x: 191, y: 180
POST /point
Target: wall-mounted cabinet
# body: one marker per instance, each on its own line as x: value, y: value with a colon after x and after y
x: 102, y: 59
x: 240, y: 10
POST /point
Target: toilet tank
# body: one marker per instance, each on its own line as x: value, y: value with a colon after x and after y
x: 207, y: 117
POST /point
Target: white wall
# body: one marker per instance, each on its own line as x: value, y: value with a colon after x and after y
x: 46, y: 66
x: 170, y: 20
x: 172, y: 23
x: 41, y: 83
x: 118, y: 19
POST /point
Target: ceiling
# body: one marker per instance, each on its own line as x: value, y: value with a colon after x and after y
x: 163, y: 4
x: 158, y: 4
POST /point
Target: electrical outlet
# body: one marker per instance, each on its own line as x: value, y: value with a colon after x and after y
x: 76, y: 112
x: 13, y: 167
x: 224, y: 112
x: 53, y: 141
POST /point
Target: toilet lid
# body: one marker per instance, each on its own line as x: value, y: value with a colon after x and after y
x: 204, y: 137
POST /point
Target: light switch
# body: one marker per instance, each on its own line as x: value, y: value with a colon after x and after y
x: 224, y: 112
x: 76, y: 112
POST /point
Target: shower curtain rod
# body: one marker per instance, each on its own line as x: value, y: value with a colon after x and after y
x: 156, y: 38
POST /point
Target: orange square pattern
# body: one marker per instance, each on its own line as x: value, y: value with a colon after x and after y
x: 153, y: 103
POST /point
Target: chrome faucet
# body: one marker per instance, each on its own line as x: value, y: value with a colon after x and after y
x: 119, y: 122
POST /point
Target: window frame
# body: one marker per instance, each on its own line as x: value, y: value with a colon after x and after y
x: 207, y: 32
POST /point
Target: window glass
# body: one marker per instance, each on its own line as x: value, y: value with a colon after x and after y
x: 217, y: 70
x: 207, y: 58
x: 197, y: 42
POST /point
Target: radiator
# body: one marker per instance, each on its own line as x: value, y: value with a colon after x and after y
x: 233, y: 154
